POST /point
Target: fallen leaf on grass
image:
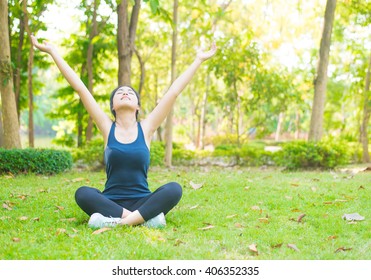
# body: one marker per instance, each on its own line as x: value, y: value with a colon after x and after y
x: 264, y: 220
x: 16, y: 239
x: 196, y: 186
x: 340, y: 200
x: 78, y: 180
x: 342, y: 249
x: 7, y: 207
x: 60, y: 208
x: 293, y: 246
x: 231, y: 216
x: 68, y: 220
x: 255, y: 208
x: 206, y: 228
x: 178, y: 242
x: 294, y: 184
x: 99, y: 231
x: 252, y: 248
x: 36, y: 219
x: 332, y: 237
x: 193, y: 207
x: 42, y: 191
x: 300, y: 218
x: 327, y: 202
x: 277, y: 246
x: 361, y: 188
x: 353, y: 217
x: 60, y: 231
x: 22, y: 196
x: 23, y: 218
x: 238, y: 225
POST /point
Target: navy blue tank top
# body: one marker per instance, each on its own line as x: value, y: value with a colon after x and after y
x: 126, y: 167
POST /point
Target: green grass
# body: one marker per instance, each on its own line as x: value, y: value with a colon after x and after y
x: 36, y: 226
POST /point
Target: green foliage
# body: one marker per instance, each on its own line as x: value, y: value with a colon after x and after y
x: 312, y: 155
x: 181, y: 155
x: 157, y: 153
x: 227, y: 139
x: 90, y: 154
x: 39, y: 161
x: 246, y: 155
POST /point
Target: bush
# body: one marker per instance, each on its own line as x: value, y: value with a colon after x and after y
x: 157, y: 153
x: 251, y: 154
x: 226, y: 139
x: 92, y: 154
x: 312, y: 155
x: 39, y: 161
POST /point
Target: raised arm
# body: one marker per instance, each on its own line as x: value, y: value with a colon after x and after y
x: 98, y: 115
x: 158, y: 115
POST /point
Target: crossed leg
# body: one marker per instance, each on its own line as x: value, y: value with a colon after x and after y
x: 133, y: 211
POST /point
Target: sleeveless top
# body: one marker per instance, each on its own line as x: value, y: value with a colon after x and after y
x: 126, y: 167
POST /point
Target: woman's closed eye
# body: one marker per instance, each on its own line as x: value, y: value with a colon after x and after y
x: 122, y: 92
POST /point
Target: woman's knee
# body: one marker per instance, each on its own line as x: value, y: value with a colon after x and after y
x: 175, y: 191
x: 83, y: 193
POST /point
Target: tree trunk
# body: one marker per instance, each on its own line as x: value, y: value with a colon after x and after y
x: 31, y: 133
x: 18, y: 69
x: 366, y: 116
x: 297, y: 124
x: 126, y: 39
x: 281, y: 117
x: 142, y: 72
x: 201, y: 142
x: 9, y: 108
x: 31, y: 136
x: 320, y: 83
x: 169, y: 119
x: 238, y: 111
x: 89, y: 64
x: 159, y: 129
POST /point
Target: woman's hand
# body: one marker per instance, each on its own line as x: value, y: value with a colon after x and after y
x: 44, y: 47
x: 204, y: 55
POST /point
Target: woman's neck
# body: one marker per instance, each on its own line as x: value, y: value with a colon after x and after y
x: 126, y: 120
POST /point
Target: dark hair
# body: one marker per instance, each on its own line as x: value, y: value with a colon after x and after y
x: 113, y: 94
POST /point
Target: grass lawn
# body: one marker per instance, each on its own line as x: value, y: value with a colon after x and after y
x: 238, y: 213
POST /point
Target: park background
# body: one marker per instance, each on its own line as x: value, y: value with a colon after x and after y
x: 287, y: 90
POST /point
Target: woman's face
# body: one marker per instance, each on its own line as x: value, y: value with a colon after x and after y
x: 125, y: 97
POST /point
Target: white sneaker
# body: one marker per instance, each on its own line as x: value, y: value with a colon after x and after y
x: 97, y: 220
x: 156, y: 222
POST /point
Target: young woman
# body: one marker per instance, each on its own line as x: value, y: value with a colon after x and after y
x: 126, y: 199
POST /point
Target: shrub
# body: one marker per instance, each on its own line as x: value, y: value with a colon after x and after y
x: 251, y: 154
x: 157, y: 153
x: 226, y: 139
x: 92, y: 154
x: 39, y: 161
x: 312, y: 155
